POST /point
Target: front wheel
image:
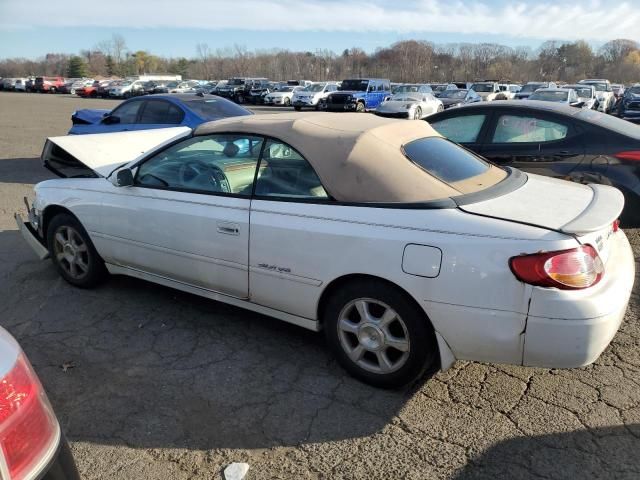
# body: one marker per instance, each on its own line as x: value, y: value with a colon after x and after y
x: 379, y: 335
x: 440, y: 108
x: 73, y: 253
x: 417, y: 115
x: 287, y: 102
x: 360, y: 107
x: 297, y: 109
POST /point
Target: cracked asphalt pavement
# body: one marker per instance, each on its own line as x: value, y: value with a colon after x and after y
x: 157, y: 384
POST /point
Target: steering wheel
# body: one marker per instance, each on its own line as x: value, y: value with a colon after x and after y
x: 201, y: 176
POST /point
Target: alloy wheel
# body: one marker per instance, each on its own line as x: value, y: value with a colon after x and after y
x: 373, y: 335
x: 71, y: 252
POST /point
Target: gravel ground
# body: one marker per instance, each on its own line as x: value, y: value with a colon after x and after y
x: 159, y: 384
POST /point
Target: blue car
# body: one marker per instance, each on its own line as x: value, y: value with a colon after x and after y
x: 155, y: 111
x: 359, y: 95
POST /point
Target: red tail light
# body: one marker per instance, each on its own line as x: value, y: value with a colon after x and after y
x: 629, y: 155
x: 616, y: 226
x: 29, y: 431
x: 567, y: 269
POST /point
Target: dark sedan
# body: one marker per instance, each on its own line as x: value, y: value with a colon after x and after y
x: 629, y: 105
x: 457, y: 98
x: 559, y: 141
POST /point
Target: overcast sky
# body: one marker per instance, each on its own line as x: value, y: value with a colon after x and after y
x: 169, y: 27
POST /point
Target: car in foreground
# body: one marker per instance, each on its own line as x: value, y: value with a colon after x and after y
x: 629, y: 105
x: 283, y: 96
x: 155, y: 111
x: 313, y: 95
x: 409, y: 105
x: 458, y: 98
x: 566, y: 96
x: 32, y: 445
x: 408, y: 250
x: 586, y: 94
x: 604, y: 94
x: 530, y: 87
x: 581, y: 145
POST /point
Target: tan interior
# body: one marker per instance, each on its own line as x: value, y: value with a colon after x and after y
x: 358, y: 157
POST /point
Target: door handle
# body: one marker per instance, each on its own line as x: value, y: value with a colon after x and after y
x: 228, y: 228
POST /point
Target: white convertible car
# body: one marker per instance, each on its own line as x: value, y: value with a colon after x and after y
x: 408, y: 250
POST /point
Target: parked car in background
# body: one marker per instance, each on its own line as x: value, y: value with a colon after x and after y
x: 105, y: 86
x: 9, y: 83
x: 530, y: 87
x: 439, y: 88
x: 458, y: 97
x: 283, y: 96
x: 48, y: 84
x: 20, y: 85
x: 567, y: 96
x: 258, y: 92
x: 487, y: 90
x: 359, y: 95
x: 184, y: 87
x: 507, y: 91
x: 88, y: 91
x: 406, y: 249
x: 29, y: 84
x: 462, y: 85
x: 156, y: 111
x: 313, y: 96
x: 577, y: 144
x: 413, y: 88
x: 604, y: 94
x: 411, y: 105
x: 586, y: 94
x: 219, y: 85
x: 618, y: 90
x: 629, y: 105
x: 127, y: 89
x: 32, y: 445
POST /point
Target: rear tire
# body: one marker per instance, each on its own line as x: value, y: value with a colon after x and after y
x: 379, y: 334
x: 73, y: 253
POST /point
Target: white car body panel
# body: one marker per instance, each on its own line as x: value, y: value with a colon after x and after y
x: 102, y: 154
x: 278, y: 257
x: 429, y: 106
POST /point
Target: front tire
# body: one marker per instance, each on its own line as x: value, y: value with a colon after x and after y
x: 360, y: 107
x: 379, y: 335
x: 287, y: 102
x: 297, y: 109
x: 73, y: 253
x: 417, y: 115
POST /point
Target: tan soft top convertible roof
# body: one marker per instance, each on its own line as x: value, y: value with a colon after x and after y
x: 358, y: 157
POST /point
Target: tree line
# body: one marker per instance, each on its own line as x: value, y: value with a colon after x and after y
x: 405, y: 61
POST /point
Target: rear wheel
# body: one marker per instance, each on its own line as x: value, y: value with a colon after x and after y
x: 379, y: 334
x: 73, y: 253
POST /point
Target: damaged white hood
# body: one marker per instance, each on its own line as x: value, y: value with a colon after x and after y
x: 103, y: 152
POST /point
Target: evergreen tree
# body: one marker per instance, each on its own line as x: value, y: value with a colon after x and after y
x: 77, y: 67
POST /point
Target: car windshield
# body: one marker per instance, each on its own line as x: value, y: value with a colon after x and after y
x: 444, y: 159
x: 315, y: 87
x: 286, y: 89
x: 583, y: 92
x: 439, y: 88
x: 124, y: 84
x: 453, y: 94
x: 172, y: 84
x: 550, y: 96
x: 357, y: 85
x: 236, y: 81
x: 600, y: 87
x: 632, y: 91
x: 406, y: 88
x: 215, y: 108
x: 482, y: 87
x: 530, y: 87
x: 406, y: 97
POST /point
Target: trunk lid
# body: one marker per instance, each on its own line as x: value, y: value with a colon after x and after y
x: 101, y: 153
x: 584, y: 211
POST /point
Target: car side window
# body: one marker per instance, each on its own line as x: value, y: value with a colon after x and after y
x: 220, y: 163
x: 461, y: 129
x: 526, y: 129
x: 283, y: 172
x: 127, y: 112
x: 161, y: 112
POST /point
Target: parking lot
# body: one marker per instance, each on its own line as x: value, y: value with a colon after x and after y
x: 153, y: 383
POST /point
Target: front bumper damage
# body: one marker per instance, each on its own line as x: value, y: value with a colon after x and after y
x: 31, y: 231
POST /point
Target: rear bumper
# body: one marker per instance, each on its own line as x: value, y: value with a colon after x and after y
x: 574, y: 329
